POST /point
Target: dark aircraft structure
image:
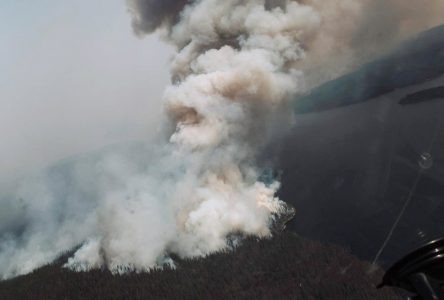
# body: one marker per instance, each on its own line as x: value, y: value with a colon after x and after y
x: 421, y: 272
x: 415, y: 61
x: 364, y: 163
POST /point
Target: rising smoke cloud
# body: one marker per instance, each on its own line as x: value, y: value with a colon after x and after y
x: 236, y: 65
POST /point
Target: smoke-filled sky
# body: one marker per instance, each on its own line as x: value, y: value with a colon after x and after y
x: 73, y: 78
x: 77, y: 79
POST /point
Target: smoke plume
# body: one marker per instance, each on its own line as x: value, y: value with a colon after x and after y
x: 237, y: 64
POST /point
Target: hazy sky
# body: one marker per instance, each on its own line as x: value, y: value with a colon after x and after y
x: 73, y: 78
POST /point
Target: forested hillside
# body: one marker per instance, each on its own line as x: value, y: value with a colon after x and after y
x: 285, y: 267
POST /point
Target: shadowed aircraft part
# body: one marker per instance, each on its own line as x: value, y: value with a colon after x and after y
x: 413, y: 62
x: 423, y: 96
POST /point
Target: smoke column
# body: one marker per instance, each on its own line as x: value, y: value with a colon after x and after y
x: 237, y: 64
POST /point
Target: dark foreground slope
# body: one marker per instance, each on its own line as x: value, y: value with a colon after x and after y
x: 285, y: 267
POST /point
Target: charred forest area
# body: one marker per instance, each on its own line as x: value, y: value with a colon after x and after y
x: 284, y: 267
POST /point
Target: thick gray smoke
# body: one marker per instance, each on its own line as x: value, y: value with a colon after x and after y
x: 237, y: 63
x: 356, y: 31
x: 350, y: 33
x: 151, y: 14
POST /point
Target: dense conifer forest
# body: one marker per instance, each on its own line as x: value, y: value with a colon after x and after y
x: 284, y: 267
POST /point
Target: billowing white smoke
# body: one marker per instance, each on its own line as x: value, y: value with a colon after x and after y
x: 232, y: 72
x: 219, y: 104
x: 237, y: 63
